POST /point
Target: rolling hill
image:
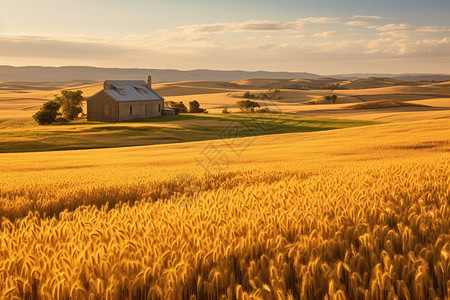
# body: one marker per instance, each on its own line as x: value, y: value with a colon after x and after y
x: 67, y: 73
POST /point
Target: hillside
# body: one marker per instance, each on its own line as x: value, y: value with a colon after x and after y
x: 9, y: 73
x: 67, y: 73
x: 23, y: 99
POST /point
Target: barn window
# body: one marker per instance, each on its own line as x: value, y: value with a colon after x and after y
x: 119, y: 90
x: 131, y: 110
x: 159, y: 107
x: 141, y: 90
x: 106, y: 110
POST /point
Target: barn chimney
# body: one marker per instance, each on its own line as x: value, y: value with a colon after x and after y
x: 107, y: 85
x: 149, y: 81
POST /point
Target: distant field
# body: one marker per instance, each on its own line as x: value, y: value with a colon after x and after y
x: 385, y: 104
x: 24, y: 136
x: 23, y: 99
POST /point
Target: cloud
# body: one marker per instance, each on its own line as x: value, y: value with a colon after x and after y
x: 368, y: 17
x: 432, y: 29
x: 421, y: 31
x: 319, y: 20
x: 390, y: 27
x: 46, y: 47
x: 357, y: 23
x: 256, y: 25
x: 409, y: 48
x: 247, y: 26
x: 317, y: 35
x: 326, y: 34
x: 252, y: 44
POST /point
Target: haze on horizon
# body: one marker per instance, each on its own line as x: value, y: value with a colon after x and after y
x: 324, y: 37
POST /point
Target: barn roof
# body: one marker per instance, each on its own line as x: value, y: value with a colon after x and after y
x: 131, y: 90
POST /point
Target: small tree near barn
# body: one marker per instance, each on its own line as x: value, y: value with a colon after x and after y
x: 71, y: 103
x: 48, y: 112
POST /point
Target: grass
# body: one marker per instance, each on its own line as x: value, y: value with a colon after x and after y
x: 15, y: 137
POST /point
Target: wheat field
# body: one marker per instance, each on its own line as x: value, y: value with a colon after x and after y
x: 357, y: 213
x: 20, y: 100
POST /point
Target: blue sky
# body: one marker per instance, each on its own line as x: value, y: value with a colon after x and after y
x: 331, y: 36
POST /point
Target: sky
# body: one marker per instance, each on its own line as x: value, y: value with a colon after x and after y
x: 322, y: 36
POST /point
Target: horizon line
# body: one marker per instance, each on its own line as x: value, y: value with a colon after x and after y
x: 220, y: 70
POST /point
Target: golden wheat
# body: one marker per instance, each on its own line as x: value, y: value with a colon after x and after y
x: 375, y: 226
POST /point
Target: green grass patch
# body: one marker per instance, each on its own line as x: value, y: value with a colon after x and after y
x: 163, y: 130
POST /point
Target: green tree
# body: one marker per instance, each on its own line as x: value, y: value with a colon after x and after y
x: 48, y: 112
x: 247, y: 105
x: 194, y: 107
x: 71, y: 103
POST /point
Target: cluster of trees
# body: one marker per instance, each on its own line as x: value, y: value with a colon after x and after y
x: 248, y: 95
x: 194, y: 107
x: 333, y: 86
x: 247, y: 105
x: 178, y: 106
x: 69, y: 102
x: 330, y: 99
x: 270, y: 94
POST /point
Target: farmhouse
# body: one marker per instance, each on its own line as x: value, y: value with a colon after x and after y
x: 124, y: 100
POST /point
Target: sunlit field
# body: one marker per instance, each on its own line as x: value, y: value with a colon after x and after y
x: 224, y: 150
x: 18, y: 135
x: 358, y: 213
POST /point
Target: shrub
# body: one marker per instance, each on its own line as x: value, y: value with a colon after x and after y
x: 44, y: 117
x: 225, y: 111
x: 61, y: 120
x: 178, y: 106
x: 248, y: 95
x: 194, y: 107
x: 48, y: 112
x: 263, y: 110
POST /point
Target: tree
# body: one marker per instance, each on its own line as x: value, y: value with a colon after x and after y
x: 248, y: 95
x: 327, y: 98
x: 194, y: 107
x: 247, y: 105
x: 333, y: 99
x: 48, y: 112
x: 178, y: 106
x: 330, y: 99
x: 71, y: 103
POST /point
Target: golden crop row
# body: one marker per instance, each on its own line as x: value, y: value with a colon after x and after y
x: 362, y: 230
